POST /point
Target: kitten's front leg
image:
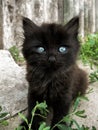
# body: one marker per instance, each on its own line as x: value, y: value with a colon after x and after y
x: 31, y: 105
x: 36, y: 120
x: 60, y: 110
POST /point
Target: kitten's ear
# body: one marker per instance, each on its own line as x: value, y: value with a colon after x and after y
x: 72, y: 26
x: 29, y: 27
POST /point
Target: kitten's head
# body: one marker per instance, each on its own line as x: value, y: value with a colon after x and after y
x: 51, y: 46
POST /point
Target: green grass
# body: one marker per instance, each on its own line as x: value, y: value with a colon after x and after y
x: 16, y: 55
x: 93, y: 76
x: 89, y: 49
x: 89, y: 54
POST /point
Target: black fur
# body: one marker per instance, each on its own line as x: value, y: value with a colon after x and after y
x: 52, y: 76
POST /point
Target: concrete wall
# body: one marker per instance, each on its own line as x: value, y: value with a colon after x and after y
x: 37, y: 10
x: 40, y: 11
x: 88, y: 11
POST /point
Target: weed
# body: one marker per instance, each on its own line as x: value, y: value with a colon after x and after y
x: 89, y: 54
x: 89, y: 49
x: 93, y: 76
x: 3, y: 122
x: 72, y: 123
x: 16, y: 54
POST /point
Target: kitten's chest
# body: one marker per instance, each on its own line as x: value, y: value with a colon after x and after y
x: 50, y: 94
x: 54, y: 91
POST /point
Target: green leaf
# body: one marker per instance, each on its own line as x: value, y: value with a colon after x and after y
x: 47, y: 128
x: 20, y: 128
x: 4, y: 114
x: 44, y: 127
x: 4, y: 123
x: 80, y: 114
x: 42, y: 105
x: 76, y: 103
x: 63, y: 127
x: 23, y: 117
x: 76, y: 123
x: 67, y: 119
x: 93, y: 128
x: 41, y: 127
x: 0, y: 108
x: 84, y: 127
x: 90, y: 91
x: 84, y: 98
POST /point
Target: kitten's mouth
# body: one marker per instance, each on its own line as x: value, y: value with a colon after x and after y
x: 51, y: 67
x: 54, y: 67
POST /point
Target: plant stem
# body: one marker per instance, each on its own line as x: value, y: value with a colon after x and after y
x: 33, y: 114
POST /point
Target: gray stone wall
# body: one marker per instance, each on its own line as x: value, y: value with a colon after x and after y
x: 13, y: 85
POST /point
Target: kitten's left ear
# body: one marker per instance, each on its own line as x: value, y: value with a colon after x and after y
x: 29, y: 27
x: 72, y: 26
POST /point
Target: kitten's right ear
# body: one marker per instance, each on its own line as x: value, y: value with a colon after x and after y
x: 29, y: 27
x: 72, y: 26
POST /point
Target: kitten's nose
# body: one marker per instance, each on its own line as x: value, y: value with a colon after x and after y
x: 52, y: 59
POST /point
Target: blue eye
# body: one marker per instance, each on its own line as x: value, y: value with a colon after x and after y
x: 40, y: 49
x: 63, y: 49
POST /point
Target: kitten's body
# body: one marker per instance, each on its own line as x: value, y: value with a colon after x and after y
x: 53, y: 75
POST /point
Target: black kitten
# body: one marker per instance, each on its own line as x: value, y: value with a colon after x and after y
x: 51, y: 51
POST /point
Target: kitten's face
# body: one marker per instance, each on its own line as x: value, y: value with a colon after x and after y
x: 50, y: 46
